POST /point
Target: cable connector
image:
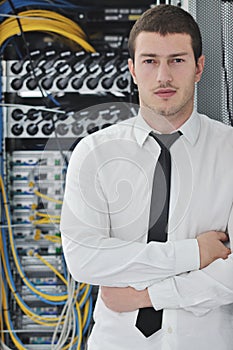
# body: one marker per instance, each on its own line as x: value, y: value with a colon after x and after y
x: 37, y: 235
x: 30, y: 252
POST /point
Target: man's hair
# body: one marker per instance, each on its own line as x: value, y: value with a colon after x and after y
x: 167, y: 19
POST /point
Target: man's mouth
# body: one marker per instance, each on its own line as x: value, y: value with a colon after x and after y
x: 165, y: 93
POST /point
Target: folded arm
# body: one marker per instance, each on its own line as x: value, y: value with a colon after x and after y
x: 94, y: 257
x: 198, y: 291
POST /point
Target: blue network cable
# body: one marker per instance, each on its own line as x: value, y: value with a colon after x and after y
x: 87, y: 296
x: 89, y: 315
x: 1, y: 123
x: 5, y: 8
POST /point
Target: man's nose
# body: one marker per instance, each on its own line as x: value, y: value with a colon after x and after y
x: 164, y: 73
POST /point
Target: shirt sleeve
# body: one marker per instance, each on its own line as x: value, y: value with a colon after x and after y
x: 198, y: 291
x: 92, y: 256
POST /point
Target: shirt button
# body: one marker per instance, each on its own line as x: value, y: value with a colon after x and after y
x: 169, y: 330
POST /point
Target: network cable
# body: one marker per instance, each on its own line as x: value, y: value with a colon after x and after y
x: 83, y: 302
x: 5, y: 7
x: 44, y: 20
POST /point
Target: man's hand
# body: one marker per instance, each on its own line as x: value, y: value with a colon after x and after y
x: 211, y: 247
x: 125, y: 299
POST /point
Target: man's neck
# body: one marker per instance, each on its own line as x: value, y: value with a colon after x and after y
x: 164, y: 124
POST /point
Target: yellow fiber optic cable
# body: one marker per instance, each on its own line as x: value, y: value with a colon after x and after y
x: 1, y: 328
x: 53, y: 239
x: 39, y: 194
x: 84, y: 294
x: 45, y: 221
x: 86, y: 310
x: 57, y: 273
x: 46, y: 16
x: 60, y: 276
x: 37, y: 213
x: 43, y: 20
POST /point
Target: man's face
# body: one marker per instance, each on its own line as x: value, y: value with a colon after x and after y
x: 165, y: 72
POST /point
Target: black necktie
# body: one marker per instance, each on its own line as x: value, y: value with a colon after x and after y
x: 149, y: 320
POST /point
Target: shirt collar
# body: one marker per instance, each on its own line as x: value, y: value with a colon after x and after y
x: 190, y: 129
x: 141, y: 129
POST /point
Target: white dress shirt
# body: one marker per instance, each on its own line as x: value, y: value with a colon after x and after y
x: 104, y: 227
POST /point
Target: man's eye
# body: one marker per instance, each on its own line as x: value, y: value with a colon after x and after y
x: 149, y: 61
x: 178, y: 60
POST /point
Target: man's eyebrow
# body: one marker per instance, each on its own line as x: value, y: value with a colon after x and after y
x: 154, y: 55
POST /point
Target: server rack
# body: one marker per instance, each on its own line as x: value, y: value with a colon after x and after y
x: 57, y: 87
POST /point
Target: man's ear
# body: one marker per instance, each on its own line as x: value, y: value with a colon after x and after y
x: 131, y: 69
x: 199, y: 68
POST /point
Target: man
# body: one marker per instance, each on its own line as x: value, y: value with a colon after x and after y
x: 106, y: 210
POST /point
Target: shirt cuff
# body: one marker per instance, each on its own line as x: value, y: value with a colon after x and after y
x: 163, y: 295
x: 187, y: 255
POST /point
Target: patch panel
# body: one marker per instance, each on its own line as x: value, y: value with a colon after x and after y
x: 28, y: 324
x: 32, y: 271
x: 49, y: 207
x: 21, y: 175
x: 34, y: 122
x: 49, y: 175
x: 40, y: 341
x: 21, y: 172
x: 33, y: 262
x: 21, y: 218
x: 39, y: 270
x: 24, y: 202
x: 21, y: 188
x: 40, y: 346
x: 82, y: 72
x: 41, y: 247
x: 34, y: 158
x: 23, y: 233
x: 44, y: 311
x: 24, y: 248
x: 120, y: 15
x: 25, y: 244
x: 49, y: 289
x: 31, y: 233
x: 44, y: 280
x: 33, y: 175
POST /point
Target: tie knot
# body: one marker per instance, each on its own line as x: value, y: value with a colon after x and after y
x: 166, y: 140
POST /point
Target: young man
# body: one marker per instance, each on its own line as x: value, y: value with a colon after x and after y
x: 106, y: 210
